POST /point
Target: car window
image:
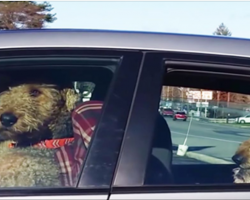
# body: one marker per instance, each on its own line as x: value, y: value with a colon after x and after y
x: 180, y: 113
x: 48, y: 119
x: 205, y: 141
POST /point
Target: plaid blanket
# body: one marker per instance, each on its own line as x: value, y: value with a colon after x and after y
x: 71, y: 156
x: 49, y: 144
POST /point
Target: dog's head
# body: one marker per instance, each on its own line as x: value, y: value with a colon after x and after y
x: 242, y: 159
x: 27, y: 110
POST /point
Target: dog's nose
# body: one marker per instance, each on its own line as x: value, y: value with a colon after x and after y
x: 238, y: 159
x: 8, y: 119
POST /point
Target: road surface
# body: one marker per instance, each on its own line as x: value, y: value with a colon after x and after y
x: 220, y: 141
x: 183, y: 160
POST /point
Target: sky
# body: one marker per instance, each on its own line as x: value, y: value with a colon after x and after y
x: 191, y: 17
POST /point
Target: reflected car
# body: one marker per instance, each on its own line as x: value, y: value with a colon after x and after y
x: 180, y: 116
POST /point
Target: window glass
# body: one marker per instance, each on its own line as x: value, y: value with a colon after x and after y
x: 207, y: 128
x: 47, y: 120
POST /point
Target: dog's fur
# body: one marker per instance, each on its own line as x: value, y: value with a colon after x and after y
x: 43, y: 112
x: 28, y: 167
x: 241, y: 174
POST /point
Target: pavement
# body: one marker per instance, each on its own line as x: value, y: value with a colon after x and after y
x: 206, y: 141
x: 184, y: 160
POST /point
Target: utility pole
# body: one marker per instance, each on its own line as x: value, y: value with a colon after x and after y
x: 172, y: 94
x: 218, y: 98
x: 228, y: 99
x: 167, y: 93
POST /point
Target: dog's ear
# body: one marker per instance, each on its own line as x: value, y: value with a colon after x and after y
x: 70, y: 97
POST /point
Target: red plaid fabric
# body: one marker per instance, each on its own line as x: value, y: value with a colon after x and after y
x: 49, y: 144
x: 54, y: 143
x: 71, y: 156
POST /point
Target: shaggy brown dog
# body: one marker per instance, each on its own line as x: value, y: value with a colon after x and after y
x: 30, y: 113
x: 28, y: 167
x: 241, y: 174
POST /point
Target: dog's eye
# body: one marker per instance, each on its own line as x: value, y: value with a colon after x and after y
x: 35, y: 93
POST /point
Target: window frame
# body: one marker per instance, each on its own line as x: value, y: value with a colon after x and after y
x: 116, y: 106
x: 134, y: 155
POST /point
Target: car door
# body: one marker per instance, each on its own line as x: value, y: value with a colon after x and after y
x: 248, y: 119
x: 96, y: 173
x: 198, y: 179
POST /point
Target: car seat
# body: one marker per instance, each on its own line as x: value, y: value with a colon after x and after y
x: 159, y: 169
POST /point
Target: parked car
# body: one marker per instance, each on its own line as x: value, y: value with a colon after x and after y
x: 243, y: 120
x: 180, y: 115
x: 168, y: 112
x: 123, y: 148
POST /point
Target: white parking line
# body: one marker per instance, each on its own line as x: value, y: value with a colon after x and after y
x: 210, y: 138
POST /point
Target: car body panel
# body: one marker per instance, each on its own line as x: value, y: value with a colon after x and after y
x: 125, y: 40
x: 66, y: 197
x: 138, y: 136
x: 184, y: 195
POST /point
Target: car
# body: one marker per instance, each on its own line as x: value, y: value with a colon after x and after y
x: 243, y: 120
x: 168, y: 112
x: 180, y: 115
x: 123, y: 148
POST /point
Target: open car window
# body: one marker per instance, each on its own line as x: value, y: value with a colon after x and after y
x: 47, y: 119
x: 50, y: 109
x: 209, y: 131
x: 181, y: 113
